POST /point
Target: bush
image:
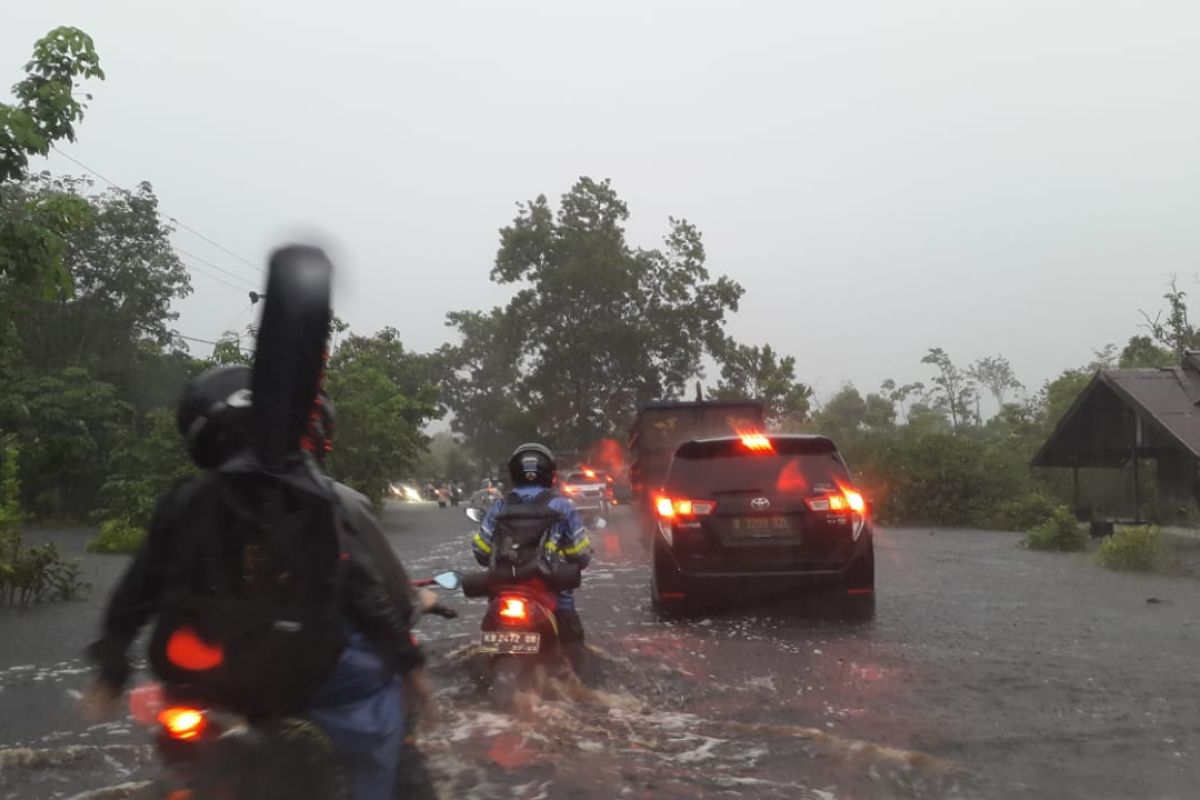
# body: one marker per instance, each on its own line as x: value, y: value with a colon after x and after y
x: 1023, y: 513
x: 1138, y: 549
x: 1059, y: 532
x: 117, y: 536
x: 29, y: 574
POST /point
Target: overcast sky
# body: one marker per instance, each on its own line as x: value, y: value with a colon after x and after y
x: 881, y: 177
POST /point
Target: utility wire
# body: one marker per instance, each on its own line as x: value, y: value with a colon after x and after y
x: 163, y: 214
x: 195, y: 268
x: 217, y: 267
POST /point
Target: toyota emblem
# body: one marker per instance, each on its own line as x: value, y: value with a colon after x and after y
x: 760, y: 504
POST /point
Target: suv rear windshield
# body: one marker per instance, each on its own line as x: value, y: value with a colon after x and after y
x: 702, y: 469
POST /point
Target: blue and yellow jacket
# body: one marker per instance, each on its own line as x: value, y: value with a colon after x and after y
x: 568, y: 539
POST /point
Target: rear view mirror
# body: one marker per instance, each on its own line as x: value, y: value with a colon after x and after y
x: 601, y: 524
x: 447, y: 580
x: 475, y: 514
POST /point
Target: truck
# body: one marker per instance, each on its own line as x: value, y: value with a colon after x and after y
x: 661, y: 427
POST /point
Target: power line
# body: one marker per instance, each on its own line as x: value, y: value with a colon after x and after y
x: 211, y: 276
x: 163, y: 214
x: 209, y: 341
x: 217, y: 267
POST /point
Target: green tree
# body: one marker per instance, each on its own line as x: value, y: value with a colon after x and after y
x: 752, y: 372
x: 953, y: 388
x: 33, y: 234
x: 126, y: 275
x: 1141, y: 352
x: 601, y: 327
x: 71, y: 424
x: 1174, y: 330
x: 480, y: 381
x: 995, y: 374
x: 383, y: 397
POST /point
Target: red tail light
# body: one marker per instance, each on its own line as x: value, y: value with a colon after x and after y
x: 513, y: 609
x: 669, y: 508
x: 756, y: 442
x: 185, y: 649
x: 181, y: 722
x: 846, y: 500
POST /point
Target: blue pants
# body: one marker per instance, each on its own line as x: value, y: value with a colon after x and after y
x: 361, y: 710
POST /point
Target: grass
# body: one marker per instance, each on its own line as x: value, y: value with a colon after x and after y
x: 117, y: 536
x: 1139, y: 549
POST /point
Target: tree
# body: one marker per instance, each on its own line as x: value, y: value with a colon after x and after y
x: 71, y: 423
x: 1141, y: 352
x: 758, y: 373
x: 480, y: 382
x: 995, y: 374
x: 126, y: 275
x: 32, y: 235
x: 597, y: 327
x: 954, y: 389
x: 1176, y: 331
x: 383, y: 398
x: 900, y: 394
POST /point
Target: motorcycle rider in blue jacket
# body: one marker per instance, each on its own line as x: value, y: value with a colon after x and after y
x: 532, y: 470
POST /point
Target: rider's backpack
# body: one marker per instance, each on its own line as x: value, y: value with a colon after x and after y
x: 251, y: 611
x: 522, y: 529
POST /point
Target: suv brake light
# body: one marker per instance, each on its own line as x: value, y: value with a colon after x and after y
x: 181, y: 722
x: 669, y: 508
x: 846, y: 500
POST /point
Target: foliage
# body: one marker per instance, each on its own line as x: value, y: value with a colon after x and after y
x: 954, y: 388
x: 29, y: 574
x: 126, y: 275
x: 72, y: 422
x: 33, y: 233
x: 595, y: 328
x: 1060, y: 531
x: 1141, y: 352
x: 1138, y: 549
x: 752, y: 372
x: 1023, y: 512
x: 147, y: 461
x: 1175, y: 331
x: 995, y: 374
x: 117, y: 535
x: 447, y: 458
x: 383, y: 396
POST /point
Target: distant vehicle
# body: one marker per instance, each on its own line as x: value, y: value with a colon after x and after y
x: 405, y: 492
x: 488, y: 492
x: 661, y: 427
x: 589, y: 492
x: 762, y: 514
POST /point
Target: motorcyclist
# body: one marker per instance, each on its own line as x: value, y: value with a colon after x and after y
x: 361, y: 701
x: 532, y: 471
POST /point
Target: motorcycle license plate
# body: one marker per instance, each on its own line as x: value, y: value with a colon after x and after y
x: 505, y: 642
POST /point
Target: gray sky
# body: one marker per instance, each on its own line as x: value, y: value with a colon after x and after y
x: 882, y: 177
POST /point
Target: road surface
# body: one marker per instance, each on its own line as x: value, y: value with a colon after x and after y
x: 988, y: 671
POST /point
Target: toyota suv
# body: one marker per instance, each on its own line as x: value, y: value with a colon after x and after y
x: 761, y: 514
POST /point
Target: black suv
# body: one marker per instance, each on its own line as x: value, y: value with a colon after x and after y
x: 761, y: 514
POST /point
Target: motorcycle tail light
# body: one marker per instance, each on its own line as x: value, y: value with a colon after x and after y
x: 182, y: 722
x: 513, y: 610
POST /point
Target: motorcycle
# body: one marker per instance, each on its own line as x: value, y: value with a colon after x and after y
x: 519, y: 632
x: 212, y: 752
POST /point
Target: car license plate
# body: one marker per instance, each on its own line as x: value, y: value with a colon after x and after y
x: 761, y: 527
x: 505, y: 642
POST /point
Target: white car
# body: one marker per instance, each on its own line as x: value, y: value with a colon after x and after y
x: 588, y: 490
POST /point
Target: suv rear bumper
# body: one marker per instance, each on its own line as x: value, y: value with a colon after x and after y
x: 760, y: 581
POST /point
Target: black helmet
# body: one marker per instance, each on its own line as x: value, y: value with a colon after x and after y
x: 214, y: 414
x: 532, y: 464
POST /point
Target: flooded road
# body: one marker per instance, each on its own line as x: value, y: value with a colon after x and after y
x: 988, y: 671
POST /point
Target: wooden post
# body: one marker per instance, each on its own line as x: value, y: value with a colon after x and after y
x: 1075, y: 489
x: 1137, y: 492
